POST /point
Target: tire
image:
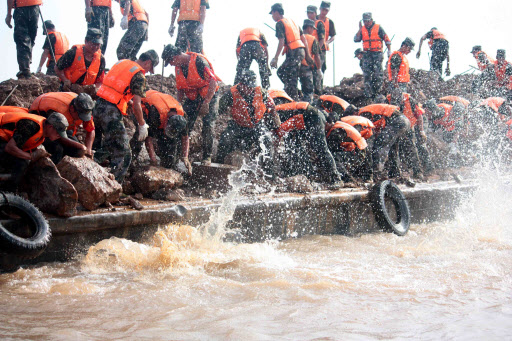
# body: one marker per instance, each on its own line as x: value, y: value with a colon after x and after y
x: 390, y: 208
x: 24, y: 231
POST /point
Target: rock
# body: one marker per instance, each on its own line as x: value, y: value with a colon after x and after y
x: 138, y: 196
x: 94, y: 184
x: 169, y: 195
x: 150, y: 179
x: 236, y: 158
x: 47, y: 190
x: 296, y: 184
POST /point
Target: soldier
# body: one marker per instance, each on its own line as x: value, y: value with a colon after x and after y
x: 82, y: 65
x: 497, y: 78
x: 190, y: 24
x: 98, y: 14
x: 319, y: 34
x: 358, y: 53
x: 483, y: 60
x: 330, y: 31
x: 372, y: 35
x: 167, y: 131
x: 304, y: 125
x: 56, y: 44
x: 136, y: 20
x: 307, y: 71
x: 26, y: 16
x: 20, y: 134
x: 253, y: 117
x: 252, y: 45
x: 77, y: 109
x: 197, y: 87
x: 292, y: 39
x: 440, y: 51
x: 398, y: 68
x: 124, y: 83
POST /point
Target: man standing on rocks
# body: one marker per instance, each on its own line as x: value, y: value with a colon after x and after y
x: 330, y: 32
x: 82, y: 65
x: 483, y: 60
x: 398, y: 70
x: 77, y: 109
x: 20, y: 134
x: 359, y: 55
x: 56, y: 44
x: 136, y: 20
x: 319, y: 34
x: 253, y: 116
x: 190, y: 24
x: 197, y: 87
x: 124, y: 84
x: 26, y: 16
x: 440, y: 51
x: 293, y: 41
x: 372, y: 35
x: 307, y: 71
x: 252, y: 45
x: 98, y: 14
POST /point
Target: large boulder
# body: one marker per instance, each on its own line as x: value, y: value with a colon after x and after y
x: 94, y: 184
x: 48, y: 190
x: 150, y: 179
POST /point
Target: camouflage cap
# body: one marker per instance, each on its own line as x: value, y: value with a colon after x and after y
x: 94, y: 36
x: 59, y: 122
x: 276, y: 7
x: 170, y: 51
x: 312, y: 9
x: 325, y: 4
x: 308, y: 22
x: 476, y: 48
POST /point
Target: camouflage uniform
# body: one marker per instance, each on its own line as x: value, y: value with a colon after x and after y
x: 101, y: 20
x: 132, y: 40
x: 25, y: 31
x: 250, y: 51
x: 189, y: 38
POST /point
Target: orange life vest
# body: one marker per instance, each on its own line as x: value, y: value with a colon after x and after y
x: 315, y: 32
x: 193, y: 85
x: 310, y: 39
x: 362, y: 124
x: 407, y: 109
x: 377, y: 113
x: 371, y: 40
x: 292, y: 106
x: 446, y: 122
x: 164, y: 104
x: 14, y: 117
x: 8, y: 109
x: 116, y: 86
x: 327, y: 27
x: 481, y: 65
x: 358, y: 141
x: 273, y: 93
x: 295, y: 122
x: 137, y: 12
x: 435, y: 35
x: 501, y: 77
x: 26, y: 3
x: 59, y: 102
x: 403, y: 72
x: 189, y: 10
x: 249, y: 34
x: 240, y: 111
x: 292, y: 34
x: 98, y: 3
x: 329, y: 100
x: 60, y: 47
x: 459, y: 99
x: 493, y: 102
x: 78, y: 68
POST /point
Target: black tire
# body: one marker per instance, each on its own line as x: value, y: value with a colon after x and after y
x: 390, y: 208
x: 23, y: 229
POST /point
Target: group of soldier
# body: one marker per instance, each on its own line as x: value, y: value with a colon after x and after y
x: 320, y: 136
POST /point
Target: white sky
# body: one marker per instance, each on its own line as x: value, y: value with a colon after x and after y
x: 465, y: 24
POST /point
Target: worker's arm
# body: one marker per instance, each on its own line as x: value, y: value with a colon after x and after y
x: 174, y: 15
x: 150, y: 147
x: 202, y: 14
x: 185, y: 147
x: 280, y: 46
x: 89, y: 140
x: 72, y: 143
x: 88, y: 10
x: 205, y: 106
x: 309, y: 59
x: 44, y: 56
x: 388, y: 45
x: 12, y: 148
x: 419, y: 47
x: 137, y: 110
x: 359, y: 35
x: 180, y: 95
x: 62, y: 76
x: 8, y: 17
x: 447, y: 71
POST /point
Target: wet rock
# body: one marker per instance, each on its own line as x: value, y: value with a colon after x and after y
x: 28, y: 89
x: 95, y: 186
x: 296, y: 184
x: 138, y: 196
x: 169, y: 195
x: 236, y: 159
x: 150, y: 179
x: 48, y: 190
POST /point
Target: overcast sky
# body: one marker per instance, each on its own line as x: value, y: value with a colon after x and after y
x: 464, y: 24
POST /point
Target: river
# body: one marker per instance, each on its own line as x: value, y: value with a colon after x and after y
x: 449, y: 281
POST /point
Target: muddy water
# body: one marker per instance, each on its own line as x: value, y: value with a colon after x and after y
x: 441, y: 281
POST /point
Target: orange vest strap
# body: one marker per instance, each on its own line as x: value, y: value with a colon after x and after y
x: 136, y: 12
x: 78, y: 68
x: 292, y: 34
x: 310, y: 39
x: 403, y: 72
x: 105, y: 3
x: 371, y: 40
x: 193, y: 85
x: 26, y: 3
x: 189, y: 10
x: 240, y: 111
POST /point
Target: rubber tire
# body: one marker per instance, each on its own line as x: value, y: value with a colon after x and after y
x: 378, y: 195
x: 24, y: 247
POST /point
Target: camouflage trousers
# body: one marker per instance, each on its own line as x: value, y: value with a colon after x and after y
x: 101, y: 20
x: 189, y: 39
x: 25, y: 31
x: 132, y: 40
x: 111, y: 143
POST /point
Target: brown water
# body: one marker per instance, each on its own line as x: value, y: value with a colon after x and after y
x: 441, y: 281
